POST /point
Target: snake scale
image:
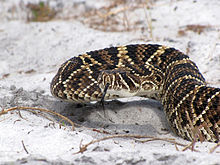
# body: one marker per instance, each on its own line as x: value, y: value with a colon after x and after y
x: 147, y: 70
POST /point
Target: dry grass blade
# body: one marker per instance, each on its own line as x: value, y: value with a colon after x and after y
x: 190, y: 146
x: 214, y: 148
x: 149, y: 22
x: 162, y: 139
x: 25, y: 149
x: 197, y: 28
x: 84, y: 147
x: 177, y: 149
x: 4, y: 111
x: 19, y: 113
x: 196, y: 133
x: 43, y: 115
x: 4, y: 118
x: 117, y: 16
x: 111, y: 13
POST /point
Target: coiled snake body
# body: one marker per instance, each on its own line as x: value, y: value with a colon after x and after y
x: 147, y: 70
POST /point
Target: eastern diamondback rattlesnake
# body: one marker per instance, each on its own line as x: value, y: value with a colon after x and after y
x: 147, y: 70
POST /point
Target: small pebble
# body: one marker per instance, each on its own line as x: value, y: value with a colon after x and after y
x: 42, y: 91
x: 34, y: 96
x: 19, y: 90
x: 12, y: 87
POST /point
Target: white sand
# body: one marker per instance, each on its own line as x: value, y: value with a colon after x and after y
x: 43, y: 47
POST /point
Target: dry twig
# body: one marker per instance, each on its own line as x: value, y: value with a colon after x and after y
x: 84, y: 147
x: 24, y: 147
x: 149, y: 22
x: 4, y: 111
x: 196, y: 133
x: 214, y: 148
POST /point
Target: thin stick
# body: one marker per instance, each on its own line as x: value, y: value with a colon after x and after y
x: 19, y: 113
x: 4, y: 111
x: 149, y: 21
x: 196, y: 134
x: 214, y: 148
x: 163, y: 139
x: 83, y: 148
x: 24, y: 147
x: 43, y: 115
x: 4, y: 119
x: 177, y: 149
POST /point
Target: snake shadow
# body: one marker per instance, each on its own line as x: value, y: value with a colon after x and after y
x: 136, y: 117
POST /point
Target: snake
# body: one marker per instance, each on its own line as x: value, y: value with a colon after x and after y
x: 191, y: 107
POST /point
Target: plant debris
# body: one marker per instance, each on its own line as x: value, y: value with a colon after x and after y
x: 83, y: 148
x: 40, y: 12
x: 31, y: 109
x: 194, y: 28
x: 118, y: 16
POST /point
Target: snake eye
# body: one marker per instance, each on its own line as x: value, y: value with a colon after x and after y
x: 158, y: 78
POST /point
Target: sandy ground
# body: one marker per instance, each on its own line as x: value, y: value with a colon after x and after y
x: 31, y: 53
